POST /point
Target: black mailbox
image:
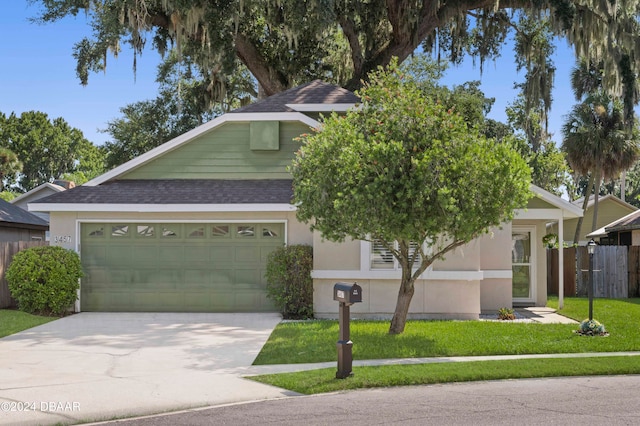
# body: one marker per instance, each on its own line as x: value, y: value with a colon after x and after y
x: 347, y: 293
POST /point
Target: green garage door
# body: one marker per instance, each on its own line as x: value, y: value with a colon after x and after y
x: 177, y: 267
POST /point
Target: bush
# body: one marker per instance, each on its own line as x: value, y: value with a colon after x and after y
x: 289, y: 282
x: 591, y: 328
x: 44, y: 280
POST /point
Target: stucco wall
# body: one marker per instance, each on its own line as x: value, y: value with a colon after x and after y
x: 328, y: 255
x: 432, y: 299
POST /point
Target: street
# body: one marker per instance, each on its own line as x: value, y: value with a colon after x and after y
x: 605, y: 400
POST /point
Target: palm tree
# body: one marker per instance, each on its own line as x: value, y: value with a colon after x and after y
x: 597, y: 145
x: 9, y: 165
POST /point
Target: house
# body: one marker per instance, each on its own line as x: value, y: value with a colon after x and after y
x: 188, y: 225
x: 622, y: 232
x: 610, y: 209
x: 38, y: 192
x: 17, y: 224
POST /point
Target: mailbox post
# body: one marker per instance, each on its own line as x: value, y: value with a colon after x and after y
x: 347, y: 295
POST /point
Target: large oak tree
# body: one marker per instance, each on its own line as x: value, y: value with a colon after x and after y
x: 287, y: 42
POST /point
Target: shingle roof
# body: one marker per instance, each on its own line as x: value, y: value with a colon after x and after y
x: 630, y: 221
x: 178, y: 191
x: 10, y: 214
x: 315, y: 92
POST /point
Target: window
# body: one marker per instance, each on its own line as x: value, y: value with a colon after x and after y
x: 120, y: 230
x: 269, y: 232
x: 196, y: 231
x: 380, y: 257
x: 220, y: 231
x: 145, y: 231
x: 170, y: 231
x: 246, y: 231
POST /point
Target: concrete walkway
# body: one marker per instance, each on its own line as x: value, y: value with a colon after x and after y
x: 93, y: 366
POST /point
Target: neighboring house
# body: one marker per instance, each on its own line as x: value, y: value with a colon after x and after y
x: 37, y: 193
x: 622, y: 232
x: 610, y: 208
x: 17, y: 224
x: 188, y: 226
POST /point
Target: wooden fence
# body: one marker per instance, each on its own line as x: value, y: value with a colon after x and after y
x: 616, y: 271
x: 7, y: 251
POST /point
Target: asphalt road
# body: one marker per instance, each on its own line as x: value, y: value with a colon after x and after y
x: 608, y: 400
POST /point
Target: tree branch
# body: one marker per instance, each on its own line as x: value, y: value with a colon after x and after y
x: 249, y: 55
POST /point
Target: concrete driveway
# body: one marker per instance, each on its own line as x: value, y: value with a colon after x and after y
x: 93, y: 366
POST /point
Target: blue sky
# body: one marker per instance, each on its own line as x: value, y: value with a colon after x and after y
x: 37, y: 72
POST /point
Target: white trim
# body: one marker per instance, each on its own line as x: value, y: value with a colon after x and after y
x: 533, y: 262
x: 569, y: 210
x: 498, y: 274
x: 320, y: 107
x: 396, y: 275
x: 186, y: 137
x: 161, y: 208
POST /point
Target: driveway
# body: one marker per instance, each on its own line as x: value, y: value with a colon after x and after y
x: 93, y: 366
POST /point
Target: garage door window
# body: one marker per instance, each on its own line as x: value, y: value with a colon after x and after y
x: 120, y: 230
x: 269, y: 232
x: 196, y: 231
x: 170, y: 231
x: 220, y: 231
x: 95, y: 231
x: 246, y: 231
x: 145, y: 231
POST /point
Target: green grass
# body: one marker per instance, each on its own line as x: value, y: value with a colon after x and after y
x: 14, y: 321
x: 319, y: 381
x: 315, y: 341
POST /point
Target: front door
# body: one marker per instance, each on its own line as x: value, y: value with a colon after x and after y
x: 523, y: 263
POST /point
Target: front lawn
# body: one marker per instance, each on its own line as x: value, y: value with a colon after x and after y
x: 315, y: 341
x: 14, y: 321
x: 324, y: 380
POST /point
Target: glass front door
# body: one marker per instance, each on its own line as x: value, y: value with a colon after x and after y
x: 522, y: 264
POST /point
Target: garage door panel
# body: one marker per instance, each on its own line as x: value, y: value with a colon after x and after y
x: 177, y: 267
x: 119, y: 253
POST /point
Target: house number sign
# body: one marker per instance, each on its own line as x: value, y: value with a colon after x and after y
x: 61, y: 239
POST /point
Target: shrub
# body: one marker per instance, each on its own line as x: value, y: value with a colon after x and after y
x: 44, y: 280
x: 289, y: 282
x: 506, y: 314
x: 591, y: 328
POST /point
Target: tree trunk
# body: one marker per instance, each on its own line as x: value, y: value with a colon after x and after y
x: 405, y: 294
x: 596, y: 194
x: 587, y: 194
x: 623, y: 185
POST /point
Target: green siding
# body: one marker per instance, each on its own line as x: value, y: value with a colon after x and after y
x: 537, y: 203
x: 177, y: 267
x: 225, y: 153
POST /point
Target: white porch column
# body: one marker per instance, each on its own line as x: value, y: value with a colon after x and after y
x: 561, y: 262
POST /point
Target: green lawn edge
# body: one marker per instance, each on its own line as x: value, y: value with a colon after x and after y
x: 323, y: 380
x: 12, y: 321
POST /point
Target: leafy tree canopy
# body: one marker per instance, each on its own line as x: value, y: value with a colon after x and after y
x: 405, y: 168
x: 180, y: 106
x: 47, y: 149
x: 287, y: 42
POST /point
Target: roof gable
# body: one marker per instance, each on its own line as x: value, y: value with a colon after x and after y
x: 609, y: 198
x: 316, y: 96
